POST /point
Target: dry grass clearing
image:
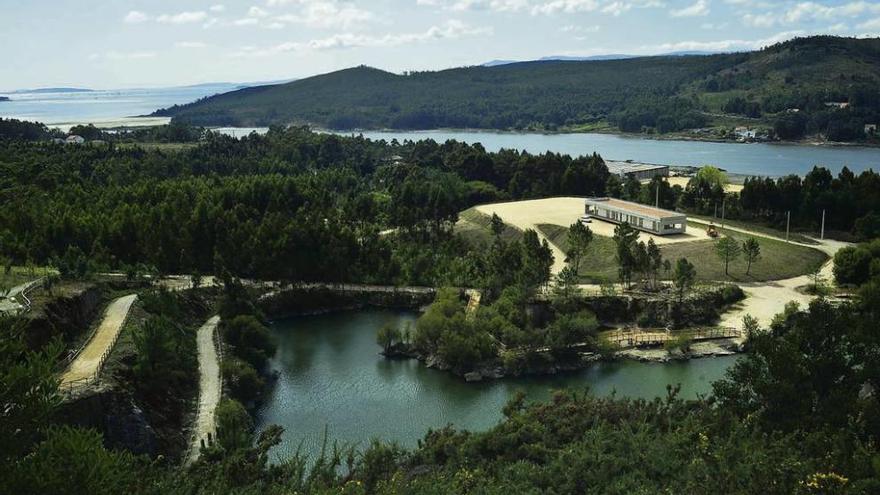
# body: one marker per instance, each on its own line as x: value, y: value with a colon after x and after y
x: 779, y: 260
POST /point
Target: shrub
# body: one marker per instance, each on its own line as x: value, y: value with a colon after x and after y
x: 731, y: 294
x: 245, y: 384
x: 250, y: 340
x: 233, y: 425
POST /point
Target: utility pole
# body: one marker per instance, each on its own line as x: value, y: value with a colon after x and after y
x: 657, y: 197
x: 715, y: 213
x: 787, y: 224
x: 822, y: 233
x: 723, y: 203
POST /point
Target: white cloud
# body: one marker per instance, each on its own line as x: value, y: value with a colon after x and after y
x: 190, y: 44
x: 256, y: 12
x: 135, y: 17
x: 870, y: 24
x: 116, y: 55
x: 760, y: 20
x: 580, y: 29
x: 701, y: 7
x: 452, y: 29
x: 616, y: 8
x: 713, y: 26
x: 182, y: 17
x: 542, y: 7
x: 802, y: 12
x: 246, y: 21
x: 721, y: 45
x: 323, y: 14
x: 217, y: 8
x: 565, y: 6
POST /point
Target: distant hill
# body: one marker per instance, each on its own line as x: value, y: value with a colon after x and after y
x: 52, y: 90
x: 662, y: 93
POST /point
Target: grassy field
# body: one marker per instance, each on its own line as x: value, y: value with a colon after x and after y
x: 475, y: 227
x: 599, y: 265
x: 699, y: 222
x: 779, y: 260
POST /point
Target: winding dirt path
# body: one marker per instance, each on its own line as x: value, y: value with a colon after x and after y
x: 765, y: 299
x: 87, y: 364
x: 209, y: 387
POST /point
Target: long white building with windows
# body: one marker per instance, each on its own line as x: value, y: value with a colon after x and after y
x: 649, y: 219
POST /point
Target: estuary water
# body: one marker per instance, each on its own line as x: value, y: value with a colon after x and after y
x: 331, y: 376
x: 765, y: 159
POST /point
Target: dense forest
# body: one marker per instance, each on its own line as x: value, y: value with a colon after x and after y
x: 824, y: 86
x: 308, y: 206
x: 797, y: 414
x: 313, y: 206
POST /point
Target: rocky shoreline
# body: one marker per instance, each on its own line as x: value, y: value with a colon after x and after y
x: 582, y: 360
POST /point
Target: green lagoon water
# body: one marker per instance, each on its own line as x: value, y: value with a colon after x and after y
x: 330, y: 375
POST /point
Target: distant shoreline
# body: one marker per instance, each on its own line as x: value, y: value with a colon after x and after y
x: 654, y: 137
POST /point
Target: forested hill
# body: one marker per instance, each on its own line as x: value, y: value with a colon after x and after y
x: 662, y: 94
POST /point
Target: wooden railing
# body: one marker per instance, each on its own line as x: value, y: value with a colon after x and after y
x: 654, y: 337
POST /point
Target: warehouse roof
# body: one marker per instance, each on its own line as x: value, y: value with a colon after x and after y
x: 621, y: 168
x: 621, y: 205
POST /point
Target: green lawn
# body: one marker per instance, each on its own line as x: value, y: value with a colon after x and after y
x: 779, y: 260
x: 475, y: 227
x: 699, y: 222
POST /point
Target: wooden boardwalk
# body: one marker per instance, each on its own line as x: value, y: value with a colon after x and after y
x: 86, y: 366
x: 654, y: 337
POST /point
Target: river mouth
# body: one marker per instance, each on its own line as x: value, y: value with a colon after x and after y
x: 331, y: 378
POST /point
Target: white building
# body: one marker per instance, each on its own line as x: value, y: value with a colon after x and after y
x: 647, y: 218
x: 74, y: 139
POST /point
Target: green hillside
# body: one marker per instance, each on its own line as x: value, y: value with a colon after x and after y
x: 648, y: 94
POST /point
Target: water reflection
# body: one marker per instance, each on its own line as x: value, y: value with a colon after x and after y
x: 332, y: 376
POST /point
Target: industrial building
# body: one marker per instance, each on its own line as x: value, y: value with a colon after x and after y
x: 646, y: 218
x: 636, y: 170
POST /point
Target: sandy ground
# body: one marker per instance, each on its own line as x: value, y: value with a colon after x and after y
x: 764, y: 300
x: 87, y: 364
x: 209, y: 386
x: 564, y: 212
x: 683, y: 182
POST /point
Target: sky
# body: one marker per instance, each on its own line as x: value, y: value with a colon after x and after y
x: 137, y: 43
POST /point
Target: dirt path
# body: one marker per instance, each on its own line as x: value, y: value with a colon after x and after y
x: 765, y: 299
x: 87, y: 364
x: 209, y: 387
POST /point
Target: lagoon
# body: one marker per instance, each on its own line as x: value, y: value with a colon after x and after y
x: 330, y: 375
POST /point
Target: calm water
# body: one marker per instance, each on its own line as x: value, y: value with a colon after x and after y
x: 756, y: 158
x: 115, y: 107
x: 331, y: 375
x: 64, y: 108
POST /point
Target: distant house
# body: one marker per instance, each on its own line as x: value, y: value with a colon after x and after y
x: 837, y: 104
x: 744, y: 133
x: 59, y: 140
x: 653, y: 220
x: 74, y: 139
x: 870, y: 129
x: 636, y: 170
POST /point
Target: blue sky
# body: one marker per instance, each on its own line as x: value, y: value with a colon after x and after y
x: 127, y: 43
